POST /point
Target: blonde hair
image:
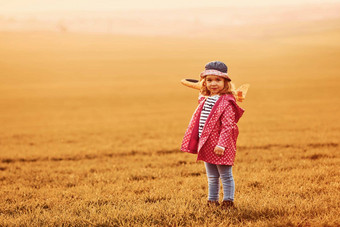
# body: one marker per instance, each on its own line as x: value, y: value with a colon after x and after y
x: 228, y: 88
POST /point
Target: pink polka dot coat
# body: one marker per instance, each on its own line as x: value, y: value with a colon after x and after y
x: 219, y: 129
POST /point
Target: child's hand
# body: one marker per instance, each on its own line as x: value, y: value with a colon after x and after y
x: 219, y: 151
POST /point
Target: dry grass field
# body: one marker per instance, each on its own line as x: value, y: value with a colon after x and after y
x: 91, y: 127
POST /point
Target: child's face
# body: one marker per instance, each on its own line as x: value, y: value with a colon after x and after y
x: 215, y: 84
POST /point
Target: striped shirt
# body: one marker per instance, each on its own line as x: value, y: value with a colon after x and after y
x: 207, y: 107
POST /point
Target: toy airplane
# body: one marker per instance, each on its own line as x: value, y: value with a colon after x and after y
x: 239, y: 93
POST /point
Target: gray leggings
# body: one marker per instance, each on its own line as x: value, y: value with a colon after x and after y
x: 214, y: 173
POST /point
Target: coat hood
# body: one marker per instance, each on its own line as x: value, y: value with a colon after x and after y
x: 238, y: 110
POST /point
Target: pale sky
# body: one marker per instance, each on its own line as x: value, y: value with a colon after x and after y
x: 98, y: 5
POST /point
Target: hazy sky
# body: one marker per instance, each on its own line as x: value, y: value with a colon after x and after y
x: 42, y: 5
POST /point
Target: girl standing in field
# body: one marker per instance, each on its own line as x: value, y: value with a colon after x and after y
x: 212, y: 132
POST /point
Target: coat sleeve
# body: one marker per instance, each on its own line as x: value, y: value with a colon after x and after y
x: 228, y: 125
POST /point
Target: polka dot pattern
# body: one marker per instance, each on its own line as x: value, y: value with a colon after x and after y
x: 220, y: 129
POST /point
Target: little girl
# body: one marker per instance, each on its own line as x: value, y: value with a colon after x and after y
x: 212, y: 132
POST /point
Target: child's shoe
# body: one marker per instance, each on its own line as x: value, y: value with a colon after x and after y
x: 211, y: 203
x: 227, y: 204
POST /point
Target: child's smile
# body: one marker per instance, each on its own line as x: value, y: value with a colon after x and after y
x: 215, y: 84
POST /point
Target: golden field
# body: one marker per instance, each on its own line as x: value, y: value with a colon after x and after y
x: 91, y: 127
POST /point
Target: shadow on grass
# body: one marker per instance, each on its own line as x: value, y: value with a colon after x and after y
x: 199, y: 216
x: 241, y: 215
x: 266, y: 213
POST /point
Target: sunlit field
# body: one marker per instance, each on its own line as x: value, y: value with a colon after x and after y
x: 91, y: 127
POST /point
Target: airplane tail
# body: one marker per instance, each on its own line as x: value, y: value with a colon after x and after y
x: 241, y: 92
